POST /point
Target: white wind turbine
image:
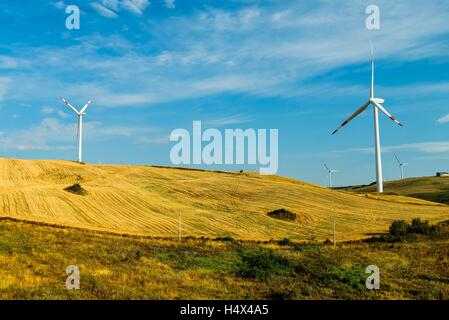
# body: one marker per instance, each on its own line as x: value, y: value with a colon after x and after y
x: 80, y: 115
x: 329, y: 174
x: 401, y: 166
x: 376, y: 103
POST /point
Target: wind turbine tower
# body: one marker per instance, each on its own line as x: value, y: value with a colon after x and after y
x: 401, y: 166
x: 80, y: 115
x: 376, y: 103
x: 329, y: 174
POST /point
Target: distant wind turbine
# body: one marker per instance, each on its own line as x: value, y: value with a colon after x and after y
x: 329, y: 174
x: 376, y: 103
x: 401, y: 166
x: 80, y: 115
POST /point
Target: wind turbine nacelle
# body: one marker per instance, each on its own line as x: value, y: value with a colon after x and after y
x: 379, y: 100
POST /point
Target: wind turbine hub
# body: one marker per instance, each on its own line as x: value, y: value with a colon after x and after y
x: 378, y: 100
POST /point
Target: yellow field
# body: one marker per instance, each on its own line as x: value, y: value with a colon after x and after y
x: 146, y: 201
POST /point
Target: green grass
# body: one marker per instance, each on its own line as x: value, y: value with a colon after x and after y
x: 434, y: 189
x: 33, y: 260
x: 262, y: 264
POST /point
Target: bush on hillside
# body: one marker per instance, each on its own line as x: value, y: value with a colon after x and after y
x: 282, y: 214
x: 400, y: 231
x: 284, y: 242
x: 399, y: 228
x: 76, y: 189
x: 225, y: 238
x: 419, y: 226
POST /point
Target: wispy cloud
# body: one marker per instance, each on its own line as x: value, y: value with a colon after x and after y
x: 59, y: 4
x: 50, y: 134
x: 423, y: 147
x: 111, y: 8
x: 418, y: 89
x: 49, y: 110
x: 229, y: 120
x: 135, y: 6
x: 153, y: 140
x: 53, y: 134
x: 444, y: 119
x: 3, y: 86
x: 104, y: 11
x: 170, y: 4
x: 7, y: 62
x: 265, y: 50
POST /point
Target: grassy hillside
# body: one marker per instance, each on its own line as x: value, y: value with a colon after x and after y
x: 147, y: 200
x: 33, y: 260
x: 427, y: 188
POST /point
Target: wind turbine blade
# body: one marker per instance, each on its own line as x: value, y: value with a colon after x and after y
x: 397, y: 159
x: 381, y: 108
x: 326, y: 167
x: 70, y: 106
x: 355, y: 114
x: 86, y: 105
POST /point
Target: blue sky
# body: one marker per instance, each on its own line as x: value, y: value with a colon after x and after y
x: 298, y: 66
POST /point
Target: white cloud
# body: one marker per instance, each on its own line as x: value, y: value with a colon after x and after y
x: 268, y: 50
x: 9, y: 62
x: 135, y: 6
x: 111, y: 8
x: 113, y: 4
x: 124, y: 131
x: 52, y: 134
x: 3, y: 87
x: 47, y: 110
x: 153, y: 140
x: 50, y: 110
x: 424, y: 147
x: 37, y: 137
x: 170, y: 4
x: 280, y: 15
x: 59, y: 5
x: 229, y: 120
x: 444, y: 119
x: 418, y: 89
x: 62, y: 114
x: 102, y: 10
x: 427, y: 147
